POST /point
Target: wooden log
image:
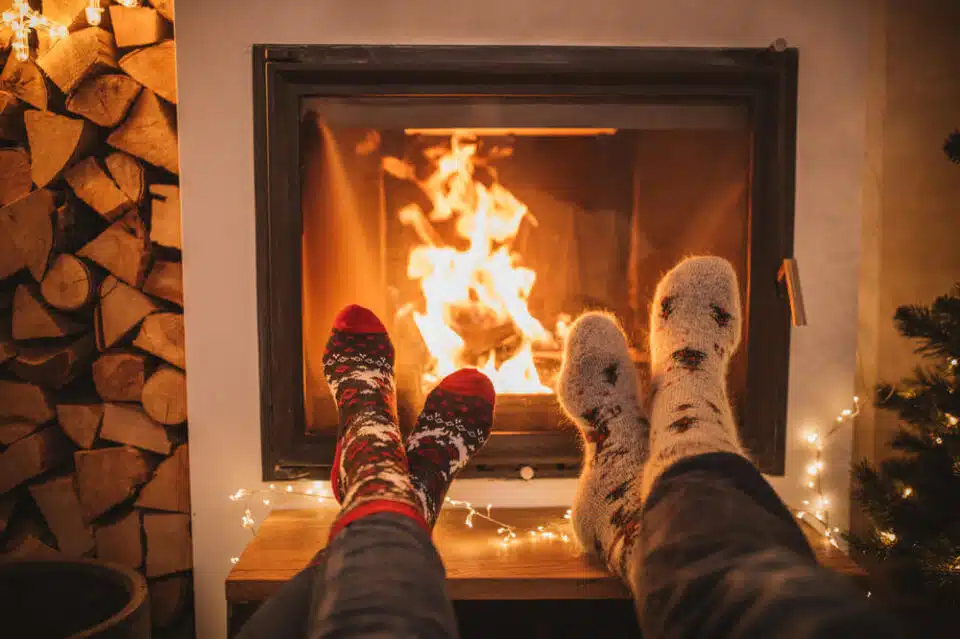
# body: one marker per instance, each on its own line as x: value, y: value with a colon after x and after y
x: 166, y: 282
x: 155, y: 68
x: 137, y: 26
x: 15, y: 178
x: 56, y: 143
x: 169, y: 598
x: 25, y: 81
x: 92, y: 185
x: 107, y: 477
x: 8, y: 347
x: 122, y: 253
x: 80, y: 54
x: 14, y: 431
x: 28, y: 225
x: 104, y: 99
x: 119, y: 376
x: 164, y: 7
x: 8, y: 506
x: 168, y: 543
x: 120, y: 542
x: 52, y: 365
x: 11, y: 261
x: 149, y: 133
x: 165, y: 215
x: 164, y: 396
x: 128, y: 424
x: 75, y: 225
x: 32, y: 319
x: 30, y: 547
x: 69, y: 284
x: 80, y: 422
x: 170, y: 487
x: 25, y: 401
x: 127, y: 172
x: 11, y: 118
x: 120, y: 310
x: 31, y: 456
x: 69, y: 13
x: 162, y: 335
x: 57, y: 500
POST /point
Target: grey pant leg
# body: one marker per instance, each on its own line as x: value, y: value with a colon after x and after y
x: 381, y: 577
x: 720, y: 556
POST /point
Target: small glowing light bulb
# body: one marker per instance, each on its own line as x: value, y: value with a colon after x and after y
x: 289, y: 488
x: 812, y: 437
x: 953, y: 420
x: 94, y: 16
x: 812, y: 469
x: 907, y: 491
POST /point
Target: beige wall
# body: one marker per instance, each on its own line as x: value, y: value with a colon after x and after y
x: 214, y: 65
x: 912, y: 217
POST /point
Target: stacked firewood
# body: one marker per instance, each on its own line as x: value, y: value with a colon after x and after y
x: 93, y: 452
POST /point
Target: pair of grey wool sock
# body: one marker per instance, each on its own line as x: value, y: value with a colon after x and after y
x: 695, y: 324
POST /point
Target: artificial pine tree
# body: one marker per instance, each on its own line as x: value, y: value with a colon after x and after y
x: 913, y: 499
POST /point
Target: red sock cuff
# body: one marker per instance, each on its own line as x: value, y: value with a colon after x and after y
x: 357, y: 319
x: 378, y: 506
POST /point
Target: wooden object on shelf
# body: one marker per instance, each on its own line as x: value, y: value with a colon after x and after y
x: 165, y: 215
x: 477, y: 567
x: 119, y: 251
x: 91, y: 184
x: 108, y: 476
x: 128, y: 424
x: 15, y: 177
x: 69, y: 284
x: 137, y: 26
x: 170, y: 487
x: 57, y: 500
x: 56, y: 143
x: 121, y: 541
x: 127, y: 172
x: 80, y: 422
x: 28, y: 225
x: 119, y: 376
x: 120, y: 310
x: 168, y: 543
x: 149, y: 133
x: 20, y: 400
x: 104, y: 99
x: 162, y: 335
x: 164, y: 396
x: 155, y: 68
x: 82, y: 53
x: 32, y: 319
x: 32, y: 456
x: 165, y: 281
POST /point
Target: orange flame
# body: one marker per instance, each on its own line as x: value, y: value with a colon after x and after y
x: 477, y: 290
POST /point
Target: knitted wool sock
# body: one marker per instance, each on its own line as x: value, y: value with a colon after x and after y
x: 455, y: 423
x: 694, y: 330
x: 598, y: 390
x: 370, y: 471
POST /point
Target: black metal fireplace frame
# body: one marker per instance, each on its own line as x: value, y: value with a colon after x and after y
x: 763, y: 80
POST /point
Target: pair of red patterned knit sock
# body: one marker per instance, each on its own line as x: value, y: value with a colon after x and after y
x: 373, y: 470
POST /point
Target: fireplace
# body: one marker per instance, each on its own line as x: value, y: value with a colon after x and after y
x: 479, y: 198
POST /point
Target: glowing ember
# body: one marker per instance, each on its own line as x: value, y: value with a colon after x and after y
x: 476, y: 312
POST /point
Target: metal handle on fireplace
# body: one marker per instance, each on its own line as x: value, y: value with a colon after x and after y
x: 790, y: 272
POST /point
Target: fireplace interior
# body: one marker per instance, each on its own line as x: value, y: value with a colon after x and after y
x: 479, y: 227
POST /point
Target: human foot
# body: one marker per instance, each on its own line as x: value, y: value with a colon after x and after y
x: 695, y: 324
x: 597, y: 389
x: 455, y: 423
x: 370, y: 471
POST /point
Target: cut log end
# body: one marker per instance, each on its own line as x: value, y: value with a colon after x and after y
x: 165, y: 396
x: 69, y: 284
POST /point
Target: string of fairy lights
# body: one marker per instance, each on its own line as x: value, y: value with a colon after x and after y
x: 23, y: 20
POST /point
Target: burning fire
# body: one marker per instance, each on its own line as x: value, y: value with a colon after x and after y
x: 476, y: 312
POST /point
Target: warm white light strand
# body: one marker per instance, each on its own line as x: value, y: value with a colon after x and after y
x: 22, y: 20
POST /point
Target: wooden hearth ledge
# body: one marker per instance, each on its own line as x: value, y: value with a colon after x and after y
x: 477, y: 566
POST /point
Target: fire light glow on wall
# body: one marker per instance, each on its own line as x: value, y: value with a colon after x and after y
x: 482, y: 288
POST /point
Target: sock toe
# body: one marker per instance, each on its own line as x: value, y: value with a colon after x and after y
x: 471, y: 382
x: 357, y: 319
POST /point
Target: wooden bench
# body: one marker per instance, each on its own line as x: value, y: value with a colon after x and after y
x: 478, y: 567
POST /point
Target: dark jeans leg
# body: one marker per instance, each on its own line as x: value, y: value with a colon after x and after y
x: 381, y: 577
x: 720, y: 556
